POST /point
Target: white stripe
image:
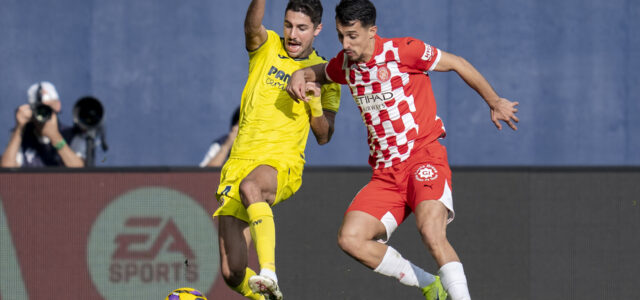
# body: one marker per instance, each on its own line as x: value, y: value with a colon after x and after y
x: 345, y: 67
x: 447, y: 200
x: 326, y: 74
x: 435, y: 63
x: 390, y: 224
x: 213, y: 150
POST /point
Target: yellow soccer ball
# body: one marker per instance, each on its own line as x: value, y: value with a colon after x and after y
x: 186, y: 293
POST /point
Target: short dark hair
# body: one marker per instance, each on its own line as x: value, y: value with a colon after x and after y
x: 311, y: 8
x: 349, y: 11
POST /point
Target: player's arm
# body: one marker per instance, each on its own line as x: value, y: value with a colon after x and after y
x: 501, y: 108
x: 322, y: 120
x: 254, y: 32
x: 297, y: 86
x: 322, y: 126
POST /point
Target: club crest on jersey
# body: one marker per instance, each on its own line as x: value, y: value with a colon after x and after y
x: 426, y: 173
x: 383, y: 73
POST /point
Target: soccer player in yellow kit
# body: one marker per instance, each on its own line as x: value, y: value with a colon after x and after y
x: 267, y: 157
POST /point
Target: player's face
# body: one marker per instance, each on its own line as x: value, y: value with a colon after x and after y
x: 299, y: 33
x: 357, y: 42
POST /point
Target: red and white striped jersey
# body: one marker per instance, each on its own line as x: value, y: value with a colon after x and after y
x: 394, y: 95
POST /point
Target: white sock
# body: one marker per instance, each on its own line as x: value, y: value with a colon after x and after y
x: 424, y: 278
x: 454, y: 281
x: 394, y: 265
x: 268, y: 273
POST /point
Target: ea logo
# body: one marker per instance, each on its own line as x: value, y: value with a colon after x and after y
x: 383, y: 73
x: 426, y: 173
x: 150, y: 240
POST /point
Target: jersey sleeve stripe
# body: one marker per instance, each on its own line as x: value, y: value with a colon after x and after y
x: 435, y: 63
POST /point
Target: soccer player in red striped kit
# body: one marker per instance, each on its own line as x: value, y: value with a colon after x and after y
x: 389, y: 81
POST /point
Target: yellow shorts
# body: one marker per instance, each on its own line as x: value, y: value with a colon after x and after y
x: 236, y: 169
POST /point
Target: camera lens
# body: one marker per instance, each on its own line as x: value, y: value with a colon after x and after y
x: 42, y: 113
x: 88, y: 112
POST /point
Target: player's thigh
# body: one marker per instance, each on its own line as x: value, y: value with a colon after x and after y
x: 380, y: 200
x: 233, y: 172
x: 359, y: 225
x: 261, y: 184
x: 233, y: 240
x: 431, y: 219
x: 430, y: 181
x: 289, y: 178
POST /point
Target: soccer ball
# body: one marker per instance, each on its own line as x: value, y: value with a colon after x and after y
x: 186, y: 293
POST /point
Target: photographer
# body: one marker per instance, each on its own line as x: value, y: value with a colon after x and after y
x: 221, y: 147
x: 38, y: 139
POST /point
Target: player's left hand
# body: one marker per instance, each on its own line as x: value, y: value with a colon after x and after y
x: 504, y: 110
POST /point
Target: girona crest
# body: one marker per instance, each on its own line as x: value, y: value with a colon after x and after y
x: 383, y: 73
x: 426, y: 173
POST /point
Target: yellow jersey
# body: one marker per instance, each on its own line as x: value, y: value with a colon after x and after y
x: 271, y: 124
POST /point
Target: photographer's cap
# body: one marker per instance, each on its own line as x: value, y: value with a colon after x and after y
x: 49, y: 92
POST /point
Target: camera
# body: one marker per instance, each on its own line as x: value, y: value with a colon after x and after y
x: 88, y: 113
x: 87, y: 118
x: 41, y: 112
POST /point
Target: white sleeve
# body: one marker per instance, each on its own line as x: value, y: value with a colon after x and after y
x: 213, y: 150
x: 20, y: 157
x: 79, y: 145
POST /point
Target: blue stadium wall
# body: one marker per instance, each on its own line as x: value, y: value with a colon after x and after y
x: 170, y: 74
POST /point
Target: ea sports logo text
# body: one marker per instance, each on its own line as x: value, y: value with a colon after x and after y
x: 129, y: 262
x: 168, y: 231
x: 151, y: 240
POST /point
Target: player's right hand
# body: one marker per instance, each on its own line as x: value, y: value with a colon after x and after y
x: 23, y: 115
x: 297, y: 87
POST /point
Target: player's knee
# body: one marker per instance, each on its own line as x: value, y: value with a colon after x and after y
x: 249, y: 192
x: 433, y: 236
x: 349, y: 241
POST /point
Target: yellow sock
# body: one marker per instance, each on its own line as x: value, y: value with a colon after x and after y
x: 244, y: 288
x: 263, y: 232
